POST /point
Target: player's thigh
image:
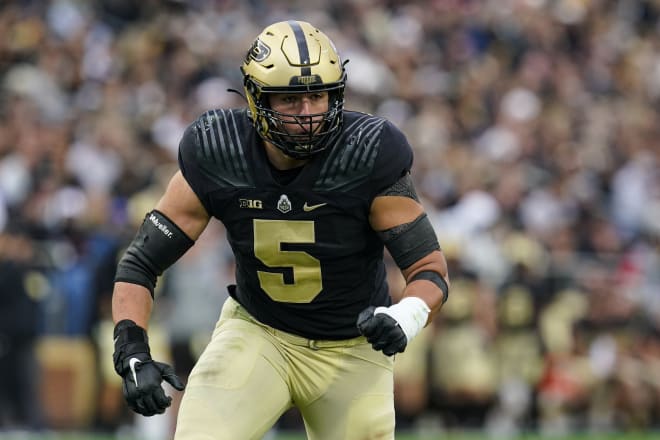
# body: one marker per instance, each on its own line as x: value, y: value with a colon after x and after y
x: 235, y: 391
x: 359, y: 402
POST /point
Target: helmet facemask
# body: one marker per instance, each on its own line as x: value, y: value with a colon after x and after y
x: 294, y: 57
x: 283, y: 130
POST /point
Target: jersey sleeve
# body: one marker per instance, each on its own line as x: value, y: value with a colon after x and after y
x: 394, y: 159
x: 189, y: 159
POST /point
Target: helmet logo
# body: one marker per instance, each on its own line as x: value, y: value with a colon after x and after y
x: 284, y: 204
x: 258, y: 52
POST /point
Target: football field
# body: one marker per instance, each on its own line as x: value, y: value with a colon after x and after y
x: 399, y: 436
x: 484, y: 436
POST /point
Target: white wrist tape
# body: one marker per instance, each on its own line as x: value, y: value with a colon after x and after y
x: 411, y: 313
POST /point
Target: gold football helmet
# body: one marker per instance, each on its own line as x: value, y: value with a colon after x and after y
x: 294, y: 57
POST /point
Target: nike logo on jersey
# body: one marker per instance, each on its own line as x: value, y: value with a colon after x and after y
x: 131, y: 364
x: 308, y: 208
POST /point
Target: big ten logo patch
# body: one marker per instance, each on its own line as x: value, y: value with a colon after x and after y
x: 250, y: 203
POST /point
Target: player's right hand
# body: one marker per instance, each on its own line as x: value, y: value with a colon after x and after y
x: 142, y: 376
x: 142, y: 388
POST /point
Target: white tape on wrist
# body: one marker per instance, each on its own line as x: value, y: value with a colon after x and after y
x: 411, y: 313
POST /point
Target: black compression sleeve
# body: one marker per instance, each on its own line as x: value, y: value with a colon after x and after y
x: 409, y: 242
x: 403, y: 187
x: 157, y: 245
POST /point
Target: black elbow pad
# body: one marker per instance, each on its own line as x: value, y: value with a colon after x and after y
x: 158, y: 244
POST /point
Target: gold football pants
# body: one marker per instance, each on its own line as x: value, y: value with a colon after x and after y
x: 250, y: 374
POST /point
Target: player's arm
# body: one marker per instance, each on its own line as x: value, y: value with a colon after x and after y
x: 166, y: 233
x: 400, y: 221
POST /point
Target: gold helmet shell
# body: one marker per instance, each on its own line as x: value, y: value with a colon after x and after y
x: 294, y: 57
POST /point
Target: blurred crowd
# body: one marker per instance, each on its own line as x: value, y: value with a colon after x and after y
x: 536, y: 130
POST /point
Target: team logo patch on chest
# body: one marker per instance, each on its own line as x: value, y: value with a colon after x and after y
x: 284, y: 204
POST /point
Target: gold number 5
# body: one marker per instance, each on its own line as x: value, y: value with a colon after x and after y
x: 269, y: 235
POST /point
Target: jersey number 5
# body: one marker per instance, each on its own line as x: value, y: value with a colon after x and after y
x: 269, y: 235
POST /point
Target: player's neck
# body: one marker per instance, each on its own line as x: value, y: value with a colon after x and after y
x: 280, y: 160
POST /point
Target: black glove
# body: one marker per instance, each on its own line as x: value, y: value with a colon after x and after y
x: 142, y: 375
x: 382, y: 331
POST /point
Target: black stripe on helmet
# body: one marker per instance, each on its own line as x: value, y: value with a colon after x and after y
x: 303, y: 50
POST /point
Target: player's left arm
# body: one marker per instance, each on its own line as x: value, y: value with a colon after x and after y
x: 399, y: 219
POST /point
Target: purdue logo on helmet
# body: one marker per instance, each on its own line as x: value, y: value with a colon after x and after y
x: 294, y: 57
x: 258, y: 52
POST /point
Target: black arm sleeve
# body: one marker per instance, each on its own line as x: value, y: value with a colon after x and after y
x: 403, y: 187
x: 409, y: 242
x: 157, y: 245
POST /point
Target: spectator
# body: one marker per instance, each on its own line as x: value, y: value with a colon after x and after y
x: 19, y: 321
x: 532, y: 122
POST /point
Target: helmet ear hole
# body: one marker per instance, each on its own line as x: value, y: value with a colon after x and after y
x: 251, y: 87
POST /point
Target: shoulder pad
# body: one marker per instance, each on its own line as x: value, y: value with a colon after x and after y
x: 222, y: 138
x: 353, y: 157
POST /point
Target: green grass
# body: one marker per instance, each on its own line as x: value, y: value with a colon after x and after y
x: 402, y: 436
x: 484, y: 436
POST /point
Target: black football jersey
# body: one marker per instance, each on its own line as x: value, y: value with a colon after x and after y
x: 307, y: 261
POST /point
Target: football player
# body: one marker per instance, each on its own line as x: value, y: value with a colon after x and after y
x: 309, y: 194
